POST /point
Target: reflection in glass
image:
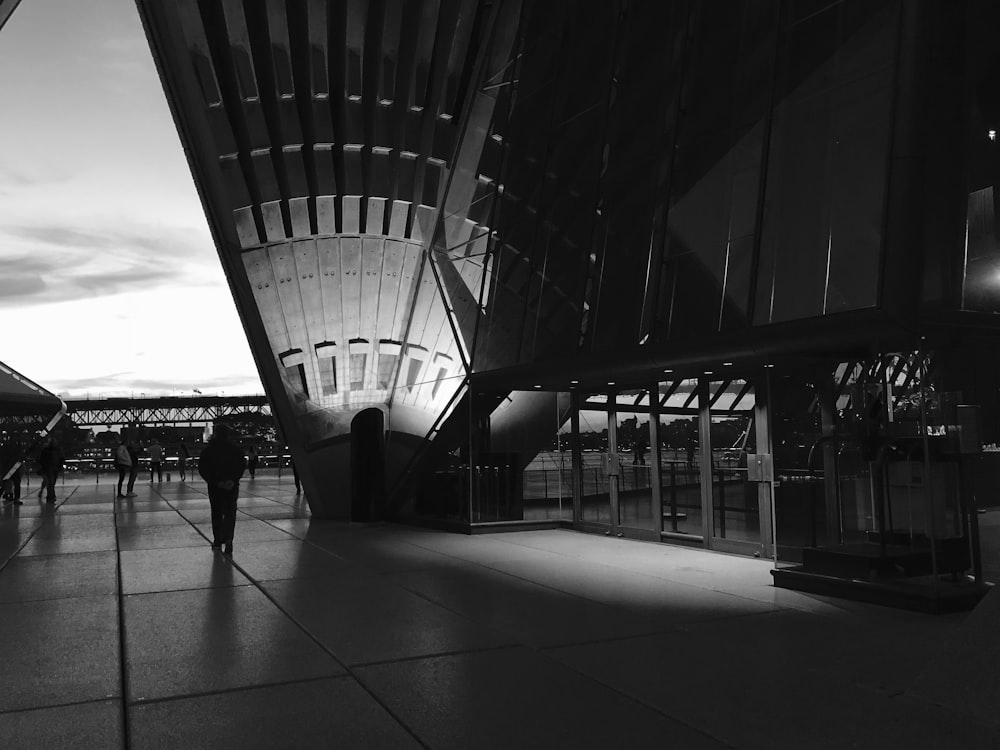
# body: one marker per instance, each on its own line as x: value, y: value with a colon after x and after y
x: 981, y: 280
x: 595, y: 482
x: 679, y: 457
x: 635, y: 471
x: 518, y: 467
x: 821, y: 237
x: 735, y: 507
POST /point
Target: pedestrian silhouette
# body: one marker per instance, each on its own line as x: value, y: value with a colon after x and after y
x: 221, y: 465
x: 133, y: 469
x: 50, y: 463
x: 123, y: 462
x: 252, y: 459
x: 155, y: 462
x: 183, y: 454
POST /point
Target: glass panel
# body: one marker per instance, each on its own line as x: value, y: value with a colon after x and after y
x: 596, y: 493
x: 868, y: 457
x: 716, y: 167
x: 822, y: 233
x: 798, y: 467
x: 519, y: 470
x: 980, y: 290
x: 735, y: 506
x: 635, y: 472
x: 548, y: 477
x: 680, y: 477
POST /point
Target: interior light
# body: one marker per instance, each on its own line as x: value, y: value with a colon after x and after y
x: 538, y: 386
x: 708, y: 372
x: 992, y: 135
x: 611, y: 382
x: 768, y: 365
x: 727, y: 364
x: 668, y: 370
x: 574, y: 382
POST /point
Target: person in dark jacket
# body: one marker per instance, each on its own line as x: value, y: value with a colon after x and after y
x: 252, y: 459
x: 123, y: 462
x: 183, y: 454
x: 221, y: 465
x: 50, y: 463
x: 133, y: 468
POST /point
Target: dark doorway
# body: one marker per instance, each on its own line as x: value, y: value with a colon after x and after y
x: 367, y: 465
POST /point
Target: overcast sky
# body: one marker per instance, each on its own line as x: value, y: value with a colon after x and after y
x: 110, y: 282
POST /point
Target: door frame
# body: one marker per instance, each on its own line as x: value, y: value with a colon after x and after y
x: 761, y: 414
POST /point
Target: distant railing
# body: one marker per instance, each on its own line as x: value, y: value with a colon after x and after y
x: 169, y: 465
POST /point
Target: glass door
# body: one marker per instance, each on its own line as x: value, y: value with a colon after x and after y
x: 598, y: 466
x: 638, y: 506
x: 736, y: 498
x: 678, y: 456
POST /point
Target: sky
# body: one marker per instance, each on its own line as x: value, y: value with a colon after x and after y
x: 110, y: 283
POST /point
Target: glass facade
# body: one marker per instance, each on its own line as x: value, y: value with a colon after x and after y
x: 518, y: 194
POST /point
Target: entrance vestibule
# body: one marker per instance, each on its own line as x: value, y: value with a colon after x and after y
x: 678, y: 462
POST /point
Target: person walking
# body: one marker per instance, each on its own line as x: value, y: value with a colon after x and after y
x: 50, y: 461
x: 133, y: 469
x: 155, y: 462
x: 183, y: 454
x: 221, y: 465
x: 123, y: 462
x: 252, y: 459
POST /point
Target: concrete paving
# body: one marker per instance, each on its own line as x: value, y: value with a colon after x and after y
x: 121, y: 628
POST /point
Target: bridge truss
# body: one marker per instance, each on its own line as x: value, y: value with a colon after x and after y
x: 162, y: 410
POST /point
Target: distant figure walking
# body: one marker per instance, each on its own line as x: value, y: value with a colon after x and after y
x: 295, y: 476
x: 183, y: 454
x: 123, y: 462
x: 252, y: 459
x: 155, y: 462
x: 221, y: 465
x: 639, y: 450
x: 50, y: 462
x: 133, y: 469
x: 690, y: 443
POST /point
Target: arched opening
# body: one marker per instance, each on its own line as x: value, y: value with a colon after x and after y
x: 367, y: 465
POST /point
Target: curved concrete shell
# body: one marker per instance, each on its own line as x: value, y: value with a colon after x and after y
x: 339, y: 151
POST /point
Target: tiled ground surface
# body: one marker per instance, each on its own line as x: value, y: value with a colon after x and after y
x: 119, y: 627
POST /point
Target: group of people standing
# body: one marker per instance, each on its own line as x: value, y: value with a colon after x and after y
x: 49, y: 464
x: 221, y: 464
x: 127, y: 463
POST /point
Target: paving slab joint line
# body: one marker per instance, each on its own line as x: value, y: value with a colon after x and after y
x: 545, y: 655
x: 350, y: 671
x: 528, y: 580
x: 436, y: 655
x: 639, y: 701
x: 122, y: 648
x: 68, y: 704
x: 551, y: 658
x: 238, y: 689
x: 45, y: 520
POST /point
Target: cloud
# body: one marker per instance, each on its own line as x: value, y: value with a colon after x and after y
x: 121, y: 384
x: 57, y: 263
x: 18, y: 285
x: 164, y: 240
x: 14, y: 179
x: 69, y: 237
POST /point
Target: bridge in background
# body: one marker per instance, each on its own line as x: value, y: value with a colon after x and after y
x: 161, y: 410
